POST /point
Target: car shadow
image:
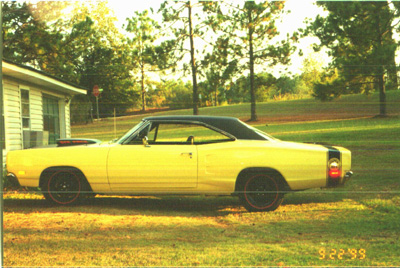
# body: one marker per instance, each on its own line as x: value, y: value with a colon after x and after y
x: 299, y: 198
x: 210, y: 206
x: 164, y: 205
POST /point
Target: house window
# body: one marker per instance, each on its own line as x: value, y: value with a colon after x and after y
x: 25, y: 109
x: 51, y: 119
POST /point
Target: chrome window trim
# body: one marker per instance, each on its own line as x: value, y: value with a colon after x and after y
x: 133, y: 132
x: 147, y: 123
x: 196, y: 123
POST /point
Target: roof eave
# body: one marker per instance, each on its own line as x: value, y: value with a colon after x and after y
x: 37, y: 78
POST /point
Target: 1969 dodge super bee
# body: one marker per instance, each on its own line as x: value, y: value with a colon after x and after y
x: 182, y: 155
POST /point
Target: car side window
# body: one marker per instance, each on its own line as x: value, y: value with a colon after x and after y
x: 176, y: 133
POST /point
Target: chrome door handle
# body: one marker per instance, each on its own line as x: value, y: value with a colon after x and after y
x: 190, y: 154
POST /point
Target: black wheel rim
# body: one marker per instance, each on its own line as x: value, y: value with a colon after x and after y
x: 261, y: 192
x: 64, y: 187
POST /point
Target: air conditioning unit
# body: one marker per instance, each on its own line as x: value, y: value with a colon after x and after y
x: 32, y: 139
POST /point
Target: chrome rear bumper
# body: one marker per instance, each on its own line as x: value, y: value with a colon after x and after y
x: 347, y: 176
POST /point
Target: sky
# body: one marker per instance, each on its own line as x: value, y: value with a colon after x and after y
x: 125, y: 9
x: 299, y: 11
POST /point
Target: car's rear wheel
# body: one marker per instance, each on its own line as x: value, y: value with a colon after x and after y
x: 63, y: 187
x: 261, y: 192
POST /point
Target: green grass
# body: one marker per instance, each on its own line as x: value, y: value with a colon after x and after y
x: 217, y: 231
x: 276, y: 112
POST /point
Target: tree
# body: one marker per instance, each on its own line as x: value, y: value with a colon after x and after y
x: 360, y: 38
x: 220, y: 67
x: 184, y: 29
x: 251, y: 27
x: 177, y: 94
x: 312, y: 72
x: 103, y: 56
x: 143, y: 48
x: 99, y: 55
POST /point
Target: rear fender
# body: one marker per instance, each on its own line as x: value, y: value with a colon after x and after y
x: 260, y: 170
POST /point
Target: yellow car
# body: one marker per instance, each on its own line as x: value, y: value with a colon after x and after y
x: 182, y: 155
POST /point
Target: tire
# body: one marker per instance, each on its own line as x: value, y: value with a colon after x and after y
x: 63, y: 187
x: 260, y: 192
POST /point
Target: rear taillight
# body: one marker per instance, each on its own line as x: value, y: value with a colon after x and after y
x: 71, y: 142
x: 334, y: 168
x: 334, y: 172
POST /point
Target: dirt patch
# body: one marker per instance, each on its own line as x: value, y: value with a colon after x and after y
x: 304, y: 118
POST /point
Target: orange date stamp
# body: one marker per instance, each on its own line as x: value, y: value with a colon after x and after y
x: 342, y: 254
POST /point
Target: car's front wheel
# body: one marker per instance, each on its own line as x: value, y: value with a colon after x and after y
x: 261, y: 192
x: 62, y: 187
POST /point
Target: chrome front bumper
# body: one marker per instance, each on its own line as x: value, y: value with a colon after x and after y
x: 12, y: 180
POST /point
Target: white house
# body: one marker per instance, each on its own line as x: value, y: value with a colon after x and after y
x: 36, y: 107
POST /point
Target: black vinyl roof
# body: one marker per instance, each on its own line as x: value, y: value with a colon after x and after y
x: 231, y: 125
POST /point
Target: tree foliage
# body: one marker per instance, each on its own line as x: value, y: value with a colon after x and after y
x: 83, y: 47
x: 264, y: 84
x: 359, y: 36
x: 26, y: 37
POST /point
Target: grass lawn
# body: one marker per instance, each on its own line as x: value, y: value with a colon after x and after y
x: 357, y: 225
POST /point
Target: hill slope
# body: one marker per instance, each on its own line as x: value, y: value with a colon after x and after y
x: 274, y: 112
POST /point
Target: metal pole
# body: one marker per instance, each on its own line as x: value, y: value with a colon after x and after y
x: 1, y: 135
x: 97, y: 105
x: 115, y: 125
x: 91, y: 112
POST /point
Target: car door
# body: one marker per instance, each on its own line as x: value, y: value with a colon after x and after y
x: 166, y: 163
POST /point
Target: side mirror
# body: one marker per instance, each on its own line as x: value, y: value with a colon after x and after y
x: 190, y: 140
x: 145, y: 141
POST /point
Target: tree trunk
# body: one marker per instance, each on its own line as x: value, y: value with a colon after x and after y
x: 392, y: 73
x: 381, y: 70
x: 216, y: 96
x: 143, y: 90
x: 392, y: 70
x: 382, y: 95
x: 193, y: 64
x: 252, y: 87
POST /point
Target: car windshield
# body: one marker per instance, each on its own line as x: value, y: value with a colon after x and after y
x: 130, y: 132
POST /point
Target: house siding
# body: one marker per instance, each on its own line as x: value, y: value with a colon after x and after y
x: 67, y: 121
x: 12, y: 115
x: 12, y: 112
